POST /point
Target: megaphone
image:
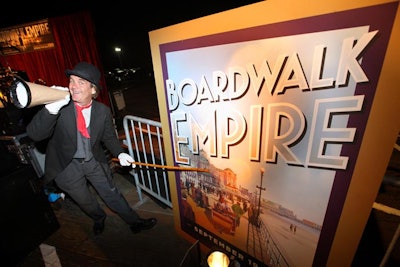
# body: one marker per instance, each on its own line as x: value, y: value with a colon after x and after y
x: 25, y: 94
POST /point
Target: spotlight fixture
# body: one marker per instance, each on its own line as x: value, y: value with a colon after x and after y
x: 217, y: 259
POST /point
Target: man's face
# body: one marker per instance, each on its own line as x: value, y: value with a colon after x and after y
x: 81, y: 90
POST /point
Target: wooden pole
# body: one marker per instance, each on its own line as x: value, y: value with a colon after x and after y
x: 176, y: 168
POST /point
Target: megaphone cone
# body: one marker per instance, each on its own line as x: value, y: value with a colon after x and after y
x: 26, y: 94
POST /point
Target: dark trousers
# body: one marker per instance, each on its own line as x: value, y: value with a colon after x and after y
x: 74, y: 181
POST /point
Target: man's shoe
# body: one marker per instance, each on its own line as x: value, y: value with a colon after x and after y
x: 143, y: 224
x: 98, y: 227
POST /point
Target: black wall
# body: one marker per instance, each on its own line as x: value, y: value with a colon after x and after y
x: 26, y: 217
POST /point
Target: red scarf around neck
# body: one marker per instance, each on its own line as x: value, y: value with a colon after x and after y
x: 80, y: 120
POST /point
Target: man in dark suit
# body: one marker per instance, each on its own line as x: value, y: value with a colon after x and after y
x: 76, y: 131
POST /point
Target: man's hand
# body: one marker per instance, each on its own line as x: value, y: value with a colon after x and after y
x: 126, y: 160
x: 55, y: 107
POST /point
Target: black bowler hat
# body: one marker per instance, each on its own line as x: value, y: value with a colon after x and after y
x: 86, y: 71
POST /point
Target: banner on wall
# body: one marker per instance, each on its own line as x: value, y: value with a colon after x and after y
x: 28, y: 37
x: 277, y: 114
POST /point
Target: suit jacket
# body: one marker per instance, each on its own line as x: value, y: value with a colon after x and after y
x: 61, y: 132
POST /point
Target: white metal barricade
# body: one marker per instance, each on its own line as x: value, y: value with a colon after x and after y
x: 144, y: 140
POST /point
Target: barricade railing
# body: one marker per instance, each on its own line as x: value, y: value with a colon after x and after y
x: 396, y: 235
x: 144, y: 140
x: 390, y: 210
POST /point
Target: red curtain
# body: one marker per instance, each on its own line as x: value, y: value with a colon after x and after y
x: 75, y: 41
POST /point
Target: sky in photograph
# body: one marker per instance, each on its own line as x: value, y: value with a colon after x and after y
x: 290, y: 182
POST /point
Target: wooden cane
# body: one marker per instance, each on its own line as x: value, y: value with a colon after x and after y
x: 177, y: 168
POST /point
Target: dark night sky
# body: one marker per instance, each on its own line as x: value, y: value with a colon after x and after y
x: 125, y: 25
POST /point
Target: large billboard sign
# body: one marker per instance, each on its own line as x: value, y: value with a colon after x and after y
x: 28, y: 37
x: 277, y: 114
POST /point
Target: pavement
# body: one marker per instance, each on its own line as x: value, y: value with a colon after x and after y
x: 74, y: 243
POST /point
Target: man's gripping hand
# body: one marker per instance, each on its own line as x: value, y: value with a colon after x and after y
x: 55, y: 107
x: 126, y: 160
